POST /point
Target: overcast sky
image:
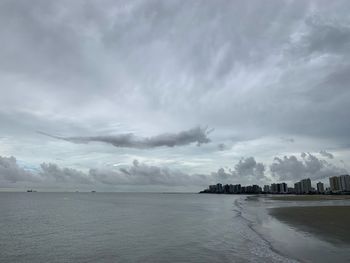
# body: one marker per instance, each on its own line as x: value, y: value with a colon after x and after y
x: 172, y: 95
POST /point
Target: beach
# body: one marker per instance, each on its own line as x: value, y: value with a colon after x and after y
x: 309, y: 197
x: 328, y: 222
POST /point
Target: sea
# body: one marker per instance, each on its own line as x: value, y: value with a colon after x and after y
x: 153, y: 227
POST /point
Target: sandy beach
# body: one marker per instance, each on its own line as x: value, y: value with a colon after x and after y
x: 309, y: 197
x: 328, y: 222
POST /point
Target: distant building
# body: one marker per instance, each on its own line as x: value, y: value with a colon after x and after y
x: 320, y: 188
x: 345, y: 183
x: 256, y: 189
x: 274, y: 189
x: 306, y: 186
x: 237, y: 189
x: 266, y: 188
x: 340, y: 183
x: 334, y: 182
x: 283, y: 188
x: 280, y: 188
x: 297, y: 188
x: 303, y: 187
x: 231, y: 188
x: 226, y: 189
x: 212, y: 188
x: 219, y: 188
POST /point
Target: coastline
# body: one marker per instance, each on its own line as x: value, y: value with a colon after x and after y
x: 328, y: 222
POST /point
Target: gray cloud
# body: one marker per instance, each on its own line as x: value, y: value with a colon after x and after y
x: 326, y: 35
x: 142, y: 174
x: 51, y: 174
x: 183, y: 47
x: 223, y: 176
x: 248, y: 167
x: 286, y: 139
x: 50, y: 171
x: 221, y: 146
x: 251, y: 69
x: 247, y: 170
x: 196, y: 135
x: 324, y: 153
x: 11, y: 172
x: 309, y: 166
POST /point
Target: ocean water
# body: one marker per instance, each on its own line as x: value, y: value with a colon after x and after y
x: 129, y: 227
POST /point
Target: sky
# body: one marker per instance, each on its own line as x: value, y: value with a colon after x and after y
x: 172, y: 96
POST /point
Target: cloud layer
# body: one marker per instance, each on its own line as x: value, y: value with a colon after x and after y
x: 49, y: 174
x: 246, y: 171
x: 196, y: 135
x: 272, y: 77
x: 327, y: 154
x: 309, y: 166
x: 11, y: 172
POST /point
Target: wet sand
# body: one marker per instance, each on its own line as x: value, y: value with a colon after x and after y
x: 309, y: 197
x: 328, y: 222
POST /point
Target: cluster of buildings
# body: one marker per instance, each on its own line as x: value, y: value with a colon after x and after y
x: 232, y: 189
x: 338, y: 185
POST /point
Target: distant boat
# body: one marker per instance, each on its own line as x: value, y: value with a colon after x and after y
x: 93, y: 191
x: 31, y: 191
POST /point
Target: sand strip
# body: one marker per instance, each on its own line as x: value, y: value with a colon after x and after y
x: 329, y: 222
x: 308, y: 197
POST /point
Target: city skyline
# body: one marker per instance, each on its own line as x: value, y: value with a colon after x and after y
x: 337, y: 185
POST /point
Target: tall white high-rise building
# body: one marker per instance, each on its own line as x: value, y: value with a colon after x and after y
x: 344, y: 182
x: 306, y: 186
x: 340, y: 183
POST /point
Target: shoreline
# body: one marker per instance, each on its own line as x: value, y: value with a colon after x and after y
x: 328, y: 222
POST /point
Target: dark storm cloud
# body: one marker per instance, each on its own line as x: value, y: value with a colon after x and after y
x: 326, y: 154
x: 196, y: 135
x: 309, y: 166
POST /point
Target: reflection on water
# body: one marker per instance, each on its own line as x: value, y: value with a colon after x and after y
x: 111, y: 227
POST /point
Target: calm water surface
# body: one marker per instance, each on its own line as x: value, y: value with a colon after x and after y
x: 128, y: 227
